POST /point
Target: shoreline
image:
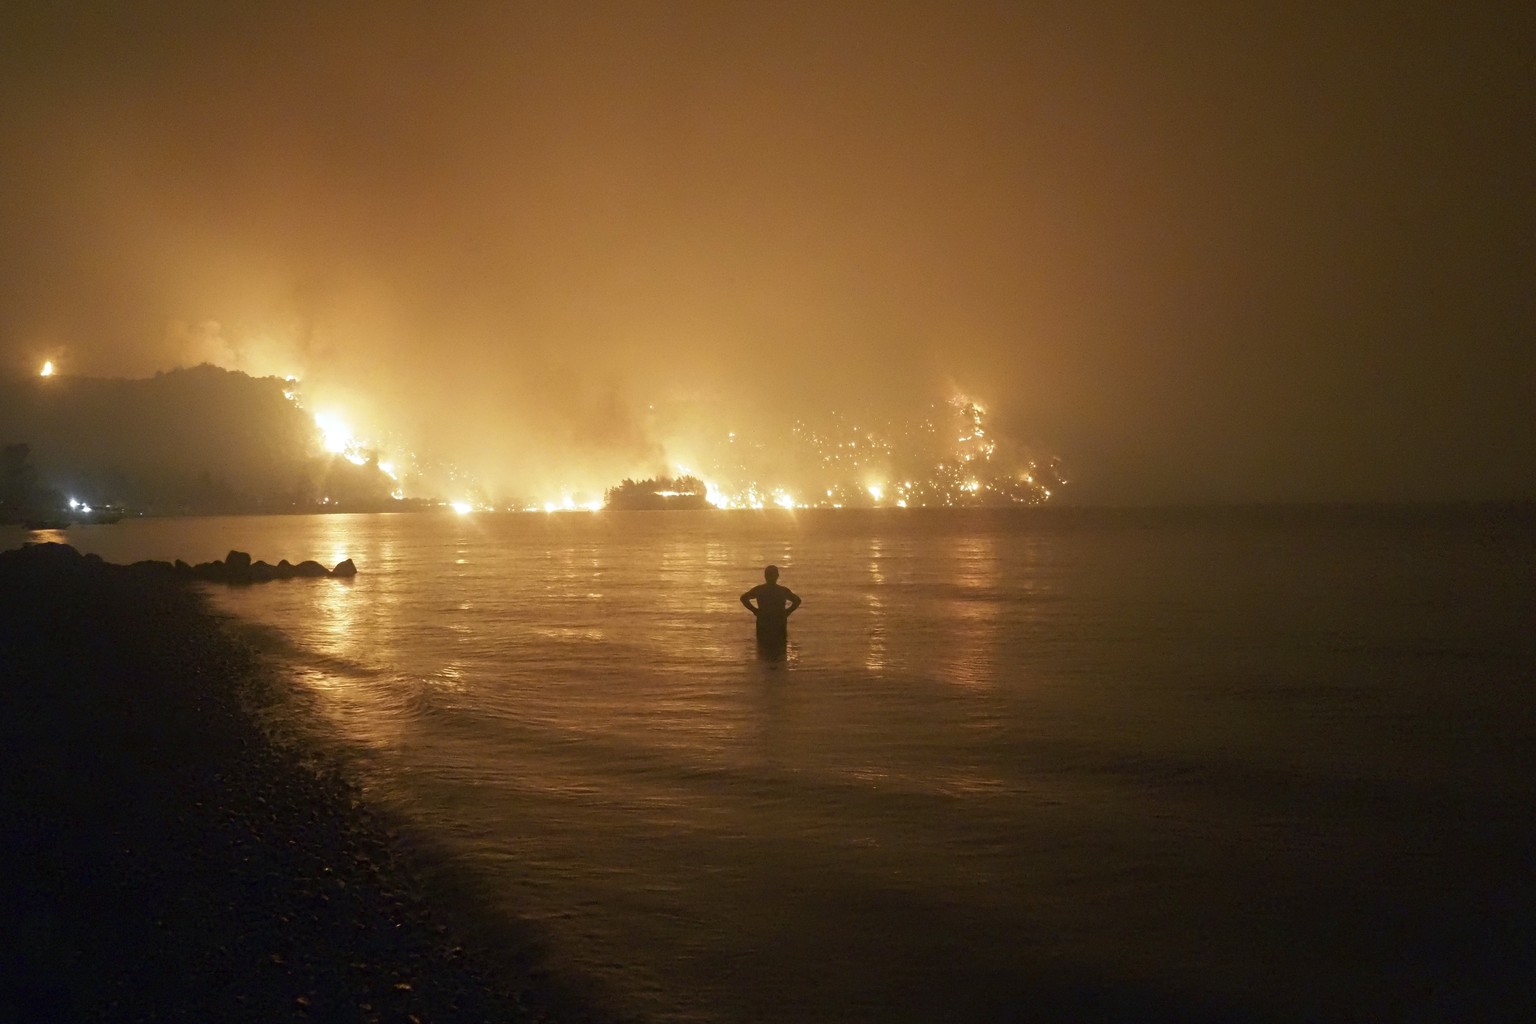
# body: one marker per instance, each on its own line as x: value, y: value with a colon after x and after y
x: 169, y: 860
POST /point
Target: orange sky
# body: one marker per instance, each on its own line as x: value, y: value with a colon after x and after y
x: 1199, y: 250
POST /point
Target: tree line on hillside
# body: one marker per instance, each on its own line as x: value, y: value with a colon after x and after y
x: 198, y: 440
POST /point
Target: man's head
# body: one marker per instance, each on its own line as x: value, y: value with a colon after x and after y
x: 771, y: 574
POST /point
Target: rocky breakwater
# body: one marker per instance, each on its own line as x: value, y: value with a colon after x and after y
x: 237, y: 567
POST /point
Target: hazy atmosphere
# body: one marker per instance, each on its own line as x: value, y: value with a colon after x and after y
x: 1195, y: 251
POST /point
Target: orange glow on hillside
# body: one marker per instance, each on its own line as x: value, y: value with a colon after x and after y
x: 947, y: 456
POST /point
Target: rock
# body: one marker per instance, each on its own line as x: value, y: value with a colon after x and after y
x: 49, y: 557
x: 55, y: 559
x: 237, y: 567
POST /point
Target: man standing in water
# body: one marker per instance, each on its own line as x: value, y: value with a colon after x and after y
x: 773, y: 608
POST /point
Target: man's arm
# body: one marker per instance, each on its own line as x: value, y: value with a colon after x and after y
x: 794, y: 602
x: 746, y: 599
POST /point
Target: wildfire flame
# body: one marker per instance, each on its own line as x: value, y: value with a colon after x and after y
x: 336, y: 437
x: 947, y: 456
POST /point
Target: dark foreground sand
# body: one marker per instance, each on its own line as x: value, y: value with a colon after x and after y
x: 164, y: 860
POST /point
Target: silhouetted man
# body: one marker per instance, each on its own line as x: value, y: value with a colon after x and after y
x: 773, y: 608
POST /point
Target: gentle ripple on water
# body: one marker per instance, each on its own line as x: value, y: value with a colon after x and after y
x: 1009, y: 758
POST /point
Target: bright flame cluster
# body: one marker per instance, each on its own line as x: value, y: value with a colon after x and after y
x: 949, y: 458
x: 751, y: 497
x: 337, y: 438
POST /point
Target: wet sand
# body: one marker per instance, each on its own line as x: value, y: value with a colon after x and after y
x: 166, y: 860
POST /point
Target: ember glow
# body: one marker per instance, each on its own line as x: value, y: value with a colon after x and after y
x: 567, y: 503
x: 527, y: 250
x: 947, y: 457
x: 336, y: 437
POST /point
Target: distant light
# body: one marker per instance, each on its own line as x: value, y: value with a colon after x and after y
x: 877, y: 492
x: 463, y: 508
x: 47, y: 370
x: 593, y: 506
x: 73, y: 503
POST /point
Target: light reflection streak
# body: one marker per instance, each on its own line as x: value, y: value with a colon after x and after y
x: 875, y: 653
x: 975, y: 610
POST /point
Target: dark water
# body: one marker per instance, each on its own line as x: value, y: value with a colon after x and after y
x: 1260, y: 764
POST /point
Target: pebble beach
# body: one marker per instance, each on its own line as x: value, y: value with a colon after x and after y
x: 166, y: 859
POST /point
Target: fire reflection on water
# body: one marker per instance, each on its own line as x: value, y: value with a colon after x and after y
x: 975, y: 612
x: 667, y: 814
x: 874, y: 657
x: 352, y: 624
x: 337, y: 619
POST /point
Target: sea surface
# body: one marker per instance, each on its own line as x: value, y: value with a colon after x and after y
x: 1267, y: 764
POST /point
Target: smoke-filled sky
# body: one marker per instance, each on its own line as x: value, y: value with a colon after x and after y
x: 1199, y: 251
